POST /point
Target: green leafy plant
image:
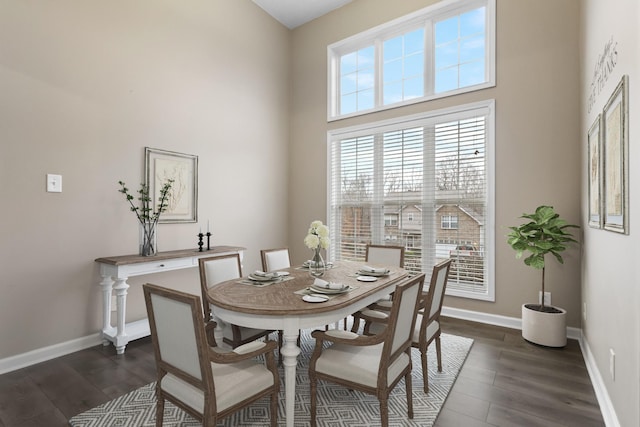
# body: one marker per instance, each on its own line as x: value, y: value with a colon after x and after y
x: 545, y: 233
x: 145, y: 213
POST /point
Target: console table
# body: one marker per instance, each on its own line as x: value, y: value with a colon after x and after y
x: 117, y: 269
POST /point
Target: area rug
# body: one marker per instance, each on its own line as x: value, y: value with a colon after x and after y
x: 337, y: 406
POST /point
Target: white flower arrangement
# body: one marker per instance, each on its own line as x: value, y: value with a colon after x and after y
x: 318, y: 236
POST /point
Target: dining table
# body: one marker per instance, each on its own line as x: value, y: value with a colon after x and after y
x: 290, y: 303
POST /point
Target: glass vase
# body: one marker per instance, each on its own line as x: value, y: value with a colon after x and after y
x: 317, y: 265
x: 148, y: 239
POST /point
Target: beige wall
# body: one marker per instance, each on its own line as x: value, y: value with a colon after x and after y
x: 610, y: 271
x: 84, y: 87
x: 537, y: 131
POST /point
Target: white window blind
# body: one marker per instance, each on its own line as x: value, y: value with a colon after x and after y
x: 418, y: 170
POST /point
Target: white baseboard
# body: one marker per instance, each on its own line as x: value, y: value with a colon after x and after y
x: 606, y: 407
x: 23, y: 360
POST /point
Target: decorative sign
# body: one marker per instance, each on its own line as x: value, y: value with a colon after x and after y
x: 605, y: 64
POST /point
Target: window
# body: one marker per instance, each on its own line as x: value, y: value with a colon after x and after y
x: 390, y: 220
x: 449, y: 222
x: 433, y: 172
x: 442, y: 50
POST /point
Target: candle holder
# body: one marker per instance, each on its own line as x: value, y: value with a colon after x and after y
x: 200, y: 242
x: 208, y: 241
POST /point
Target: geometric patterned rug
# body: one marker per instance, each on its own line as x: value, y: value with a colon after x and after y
x: 337, y: 406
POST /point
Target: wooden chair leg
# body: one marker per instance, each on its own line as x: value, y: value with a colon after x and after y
x: 313, y: 390
x: 355, y: 327
x: 439, y: 353
x: 274, y: 409
x: 159, y: 411
x: 425, y: 371
x: 209, y: 419
x: 409, y: 389
x: 280, y: 348
x: 384, y: 412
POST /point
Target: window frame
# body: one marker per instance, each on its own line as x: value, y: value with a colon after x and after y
x: 452, y: 113
x: 449, y: 222
x: 377, y: 35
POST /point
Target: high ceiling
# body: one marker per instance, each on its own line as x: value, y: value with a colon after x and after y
x: 292, y: 13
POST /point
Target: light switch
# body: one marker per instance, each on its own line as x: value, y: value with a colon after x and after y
x: 54, y: 183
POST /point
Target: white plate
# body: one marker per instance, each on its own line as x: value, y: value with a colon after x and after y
x: 262, y: 279
x: 329, y: 291
x: 367, y: 278
x: 282, y: 273
x: 373, y: 273
x: 315, y: 298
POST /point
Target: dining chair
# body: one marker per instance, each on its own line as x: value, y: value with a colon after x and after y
x: 373, y: 364
x: 272, y: 260
x: 201, y: 380
x: 385, y: 255
x: 382, y: 255
x: 427, y: 327
x: 275, y: 259
x: 217, y: 269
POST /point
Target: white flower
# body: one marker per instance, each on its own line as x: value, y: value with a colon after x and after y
x: 312, y: 241
x: 318, y: 235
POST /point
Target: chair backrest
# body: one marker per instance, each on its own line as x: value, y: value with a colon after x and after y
x: 214, y: 270
x: 403, y: 316
x: 275, y: 259
x: 385, y: 255
x: 178, y: 335
x: 438, y: 286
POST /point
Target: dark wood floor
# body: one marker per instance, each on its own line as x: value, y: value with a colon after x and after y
x: 504, y: 382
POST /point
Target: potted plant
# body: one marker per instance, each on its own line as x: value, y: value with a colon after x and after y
x: 545, y: 233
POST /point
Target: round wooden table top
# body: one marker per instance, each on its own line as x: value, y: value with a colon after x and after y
x: 285, y: 297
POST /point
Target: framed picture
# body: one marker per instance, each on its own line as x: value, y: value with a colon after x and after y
x: 616, y: 169
x: 595, y: 168
x: 160, y: 166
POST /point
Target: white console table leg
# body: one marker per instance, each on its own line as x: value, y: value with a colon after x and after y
x: 107, y: 329
x: 121, y: 338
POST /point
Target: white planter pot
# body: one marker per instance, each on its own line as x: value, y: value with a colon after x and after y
x: 548, y: 329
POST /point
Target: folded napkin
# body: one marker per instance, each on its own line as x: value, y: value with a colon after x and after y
x: 368, y: 269
x: 323, y: 284
x: 259, y: 273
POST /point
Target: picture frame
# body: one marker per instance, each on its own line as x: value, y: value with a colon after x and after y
x: 615, y: 132
x: 594, y: 141
x: 162, y: 165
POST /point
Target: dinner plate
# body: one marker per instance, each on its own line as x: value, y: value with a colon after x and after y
x: 315, y: 298
x: 329, y: 291
x: 282, y: 273
x: 373, y: 273
x: 367, y: 278
x: 262, y: 279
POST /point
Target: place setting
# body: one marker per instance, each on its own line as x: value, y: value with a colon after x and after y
x: 305, y: 265
x: 261, y: 278
x: 322, y: 290
x: 371, y: 274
